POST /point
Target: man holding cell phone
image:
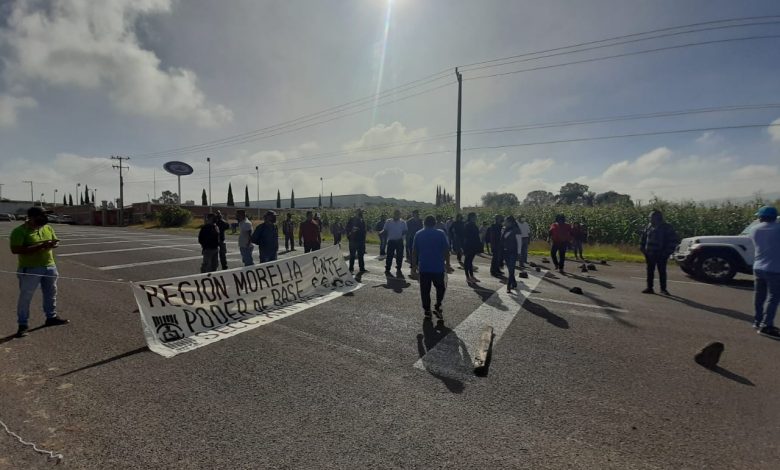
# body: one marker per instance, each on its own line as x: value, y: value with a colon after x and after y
x: 34, y: 243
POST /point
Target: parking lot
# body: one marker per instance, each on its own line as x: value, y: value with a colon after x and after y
x: 602, y: 379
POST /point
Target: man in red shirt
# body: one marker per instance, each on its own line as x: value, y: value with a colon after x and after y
x: 309, y: 234
x: 560, y: 237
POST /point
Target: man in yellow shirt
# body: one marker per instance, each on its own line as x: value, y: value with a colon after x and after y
x: 33, y: 242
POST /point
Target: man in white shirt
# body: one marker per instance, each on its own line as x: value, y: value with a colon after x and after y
x: 525, y: 237
x: 245, y: 245
x: 394, y: 231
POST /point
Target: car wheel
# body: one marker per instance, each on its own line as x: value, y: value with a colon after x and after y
x: 716, y: 267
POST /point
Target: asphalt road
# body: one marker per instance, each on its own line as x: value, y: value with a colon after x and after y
x: 605, y: 379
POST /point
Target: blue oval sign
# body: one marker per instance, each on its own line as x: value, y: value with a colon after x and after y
x: 178, y: 168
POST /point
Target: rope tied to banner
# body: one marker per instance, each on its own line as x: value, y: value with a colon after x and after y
x: 50, y: 454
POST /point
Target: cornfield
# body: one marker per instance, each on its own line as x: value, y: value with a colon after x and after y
x: 606, y: 224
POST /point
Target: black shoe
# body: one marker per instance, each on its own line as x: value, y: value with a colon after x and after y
x: 427, y: 314
x: 363, y: 270
x: 21, y: 332
x: 665, y: 292
x: 438, y: 311
x: 387, y: 271
x: 649, y: 290
x: 55, y: 321
x: 770, y: 331
x: 756, y: 325
x: 352, y: 270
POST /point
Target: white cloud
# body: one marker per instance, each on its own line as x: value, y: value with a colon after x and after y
x: 535, y: 168
x: 709, y: 138
x: 483, y: 166
x: 384, y: 135
x: 644, y: 165
x: 756, y: 171
x: 93, y: 45
x: 10, y: 106
x: 774, y: 131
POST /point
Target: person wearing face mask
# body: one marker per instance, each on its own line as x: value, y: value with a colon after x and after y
x: 33, y: 243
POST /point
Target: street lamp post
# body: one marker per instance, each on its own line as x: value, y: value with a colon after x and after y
x: 78, y: 185
x: 208, y: 159
x: 322, y: 191
x: 54, y: 201
x: 94, y: 196
x: 41, y: 199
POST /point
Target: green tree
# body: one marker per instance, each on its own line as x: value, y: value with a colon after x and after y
x: 70, y: 200
x: 319, y: 201
x: 278, y: 199
x: 230, y: 201
x: 292, y: 199
x: 612, y: 198
x: 331, y: 199
x: 539, y: 198
x: 499, y: 200
x: 86, y: 194
x: 246, y: 195
x: 204, y: 201
x: 571, y: 193
x: 64, y: 200
x: 81, y: 199
x: 168, y: 197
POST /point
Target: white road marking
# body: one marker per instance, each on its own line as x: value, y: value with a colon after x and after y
x: 614, y: 309
x: 159, y: 261
x: 703, y: 284
x: 84, y: 253
x: 452, y: 355
x: 108, y: 242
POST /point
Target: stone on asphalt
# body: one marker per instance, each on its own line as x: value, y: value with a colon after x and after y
x: 576, y: 290
x: 592, y: 267
x: 709, y: 355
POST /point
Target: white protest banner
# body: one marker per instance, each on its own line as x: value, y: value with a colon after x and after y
x: 184, y: 313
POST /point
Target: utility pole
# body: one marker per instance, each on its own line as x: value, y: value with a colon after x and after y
x: 1, y: 191
x: 257, y: 169
x: 154, y: 191
x: 457, y: 149
x: 208, y: 159
x: 32, y: 198
x: 121, y: 186
x: 54, y: 201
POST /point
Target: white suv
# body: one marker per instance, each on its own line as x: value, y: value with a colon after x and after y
x: 716, y: 258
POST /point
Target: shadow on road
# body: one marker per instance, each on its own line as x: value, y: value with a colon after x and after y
x: 596, y: 301
x: 542, y: 312
x: 716, y: 310
x: 396, y: 284
x: 451, y: 354
x: 106, y: 361
x: 731, y: 376
x: 590, y: 280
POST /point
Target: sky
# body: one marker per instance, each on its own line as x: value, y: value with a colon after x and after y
x: 360, y: 96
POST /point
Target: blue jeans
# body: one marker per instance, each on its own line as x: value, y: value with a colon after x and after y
x: 246, y: 255
x: 267, y: 257
x: 767, y: 292
x: 382, y: 245
x: 29, y: 278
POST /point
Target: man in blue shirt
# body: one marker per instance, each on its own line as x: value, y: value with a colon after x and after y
x: 429, y: 253
x: 766, y: 268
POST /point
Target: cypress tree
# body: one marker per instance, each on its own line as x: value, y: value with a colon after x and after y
x: 204, y: 201
x: 64, y: 200
x: 278, y: 199
x: 331, y: 199
x: 230, y: 201
x: 246, y: 195
x: 292, y: 199
x: 319, y: 201
x: 81, y: 199
x: 70, y: 199
x: 86, y: 194
x: 93, y: 198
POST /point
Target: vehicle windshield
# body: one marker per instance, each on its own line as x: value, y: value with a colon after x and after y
x: 750, y: 226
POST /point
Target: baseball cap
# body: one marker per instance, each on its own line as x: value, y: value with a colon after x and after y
x: 767, y: 211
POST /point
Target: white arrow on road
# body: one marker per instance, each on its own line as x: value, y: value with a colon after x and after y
x: 452, y: 355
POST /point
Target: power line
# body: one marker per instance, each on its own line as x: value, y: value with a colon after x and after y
x: 254, y: 135
x: 474, y: 66
x: 522, y: 144
x: 626, y: 54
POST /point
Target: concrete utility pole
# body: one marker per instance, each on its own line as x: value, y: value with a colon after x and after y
x: 121, y: 187
x: 457, y: 149
x: 32, y: 198
x: 54, y: 201
x: 208, y: 159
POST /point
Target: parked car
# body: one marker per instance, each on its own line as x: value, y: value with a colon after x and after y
x: 7, y: 217
x: 716, y: 258
x: 52, y: 218
x: 66, y: 219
